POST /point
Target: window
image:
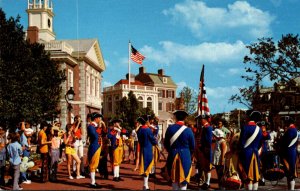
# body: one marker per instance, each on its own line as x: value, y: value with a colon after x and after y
x: 109, y: 102
x: 93, y: 86
x: 160, y: 106
x: 70, y: 78
x: 160, y: 93
x: 170, y: 94
x: 97, y: 88
x: 88, y: 84
x: 169, y: 106
x: 140, y: 100
x: 149, y: 102
x: 165, y: 80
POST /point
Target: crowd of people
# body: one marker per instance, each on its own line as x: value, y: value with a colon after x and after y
x: 241, y: 159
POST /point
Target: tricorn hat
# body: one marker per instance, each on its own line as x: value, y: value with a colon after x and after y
x: 254, y: 115
x: 143, y: 119
x: 95, y: 115
x: 180, y: 114
x: 116, y: 121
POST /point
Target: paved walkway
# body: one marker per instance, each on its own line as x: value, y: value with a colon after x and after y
x: 132, y: 181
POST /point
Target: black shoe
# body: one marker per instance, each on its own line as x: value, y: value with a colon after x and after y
x: 120, y: 179
x: 152, y: 175
x: 116, y: 179
x: 205, y: 186
x: 261, y: 183
x: 95, y: 185
x: 144, y: 188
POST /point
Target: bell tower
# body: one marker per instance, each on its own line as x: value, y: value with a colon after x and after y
x: 40, y: 14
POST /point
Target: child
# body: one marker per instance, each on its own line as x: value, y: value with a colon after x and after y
x: 2, y: 155
x: 14, y: 150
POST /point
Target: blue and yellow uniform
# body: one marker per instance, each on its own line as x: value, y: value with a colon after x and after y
x: 288, y: 151
x: 179, y: 161
x: 94, y: 149
x: 249, y: 153
x: 146, y: 141
x: 116, y: 145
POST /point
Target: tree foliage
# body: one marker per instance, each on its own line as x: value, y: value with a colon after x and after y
x: 128, y: 110
x: 190, y: 99
x: 266, y: 60
x: 30, y: 81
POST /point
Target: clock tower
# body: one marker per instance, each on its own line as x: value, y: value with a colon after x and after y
x: 40, y: 14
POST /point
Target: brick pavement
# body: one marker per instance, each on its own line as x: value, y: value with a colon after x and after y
x: 131, y: 181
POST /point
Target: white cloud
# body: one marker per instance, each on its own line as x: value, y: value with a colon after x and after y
x: 107, y: 84
x: 180, y: 86
x: 205, y: 52
x: 240, y: 15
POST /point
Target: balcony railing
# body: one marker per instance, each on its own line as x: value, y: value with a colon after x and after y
x: 58, y: 46
x: 132, y: 87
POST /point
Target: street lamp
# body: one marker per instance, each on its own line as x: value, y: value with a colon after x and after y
x: 69, y: 97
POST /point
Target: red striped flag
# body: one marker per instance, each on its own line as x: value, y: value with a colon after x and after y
x: 203, y: 107
x: 136, y: 56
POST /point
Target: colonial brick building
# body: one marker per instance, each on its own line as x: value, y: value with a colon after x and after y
x: 153, y: 90
x: 279, y: 100
x: 81, y: 59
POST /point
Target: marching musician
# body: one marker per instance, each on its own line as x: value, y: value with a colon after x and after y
x: 94, y: 149
x: 154, y: 128
x: 205, y: 157
x: 250, y: 141
x: 117, y: 147
x: 288, y: 151
x: 264, y: 147
x: 146, y: 142
x: 180, y: 144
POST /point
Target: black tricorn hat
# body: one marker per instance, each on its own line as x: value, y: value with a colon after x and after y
x: 180, y: 114
x: 287, y: 119
x: 254, y: 115
x: 116, y: 121
x: 143, y: 119
x: 95, y: 115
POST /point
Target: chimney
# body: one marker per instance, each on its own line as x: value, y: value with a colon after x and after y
x: 161, y: 72
x: 132, y: 77
x: 33, y: 34
x: 142, y: 70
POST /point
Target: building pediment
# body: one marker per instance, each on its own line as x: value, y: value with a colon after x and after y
x: 95, y: 55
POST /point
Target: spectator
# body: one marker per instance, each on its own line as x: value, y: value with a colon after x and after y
x: 43, y: 149
x: 15, y: 152
x: 2, y: 155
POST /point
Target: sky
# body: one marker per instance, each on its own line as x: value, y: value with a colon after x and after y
x: 178, y: 36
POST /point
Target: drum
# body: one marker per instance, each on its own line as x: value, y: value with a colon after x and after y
x: 272, y: 169
x: 232, y: 183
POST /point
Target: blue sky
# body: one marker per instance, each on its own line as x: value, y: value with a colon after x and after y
x: 177, y: 36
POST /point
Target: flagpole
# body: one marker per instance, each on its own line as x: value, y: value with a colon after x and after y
x: 129, y: 52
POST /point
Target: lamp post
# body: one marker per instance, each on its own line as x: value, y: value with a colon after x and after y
x: 69, y: 97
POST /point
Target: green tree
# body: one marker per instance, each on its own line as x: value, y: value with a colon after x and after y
x: 128, y: 110
x: 275, y: 62
x: 30, y: 81
x: 190, y: 99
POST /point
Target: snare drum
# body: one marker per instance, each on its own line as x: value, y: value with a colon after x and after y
x: 272, y: 169
x: 232, y: 183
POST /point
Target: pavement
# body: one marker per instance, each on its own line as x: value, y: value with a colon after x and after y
x: 131, y: 181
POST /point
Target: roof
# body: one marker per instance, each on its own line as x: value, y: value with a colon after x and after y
x: 90, y: 49
x: 158, y: 79
x: 136, y: 82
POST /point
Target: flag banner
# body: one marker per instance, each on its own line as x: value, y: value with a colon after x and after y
x: 203, y: 107
x: 136, y: 56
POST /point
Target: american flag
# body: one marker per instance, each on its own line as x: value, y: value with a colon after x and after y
x: 136, y: 56
x: 202, y: 98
